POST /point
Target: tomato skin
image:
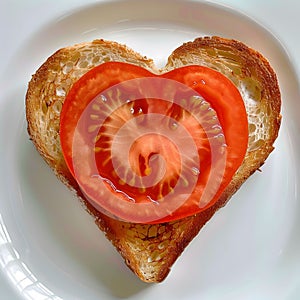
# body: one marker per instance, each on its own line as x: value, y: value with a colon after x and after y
x: 230, y: 110
x: 222, y: 96
x: 83, y: 91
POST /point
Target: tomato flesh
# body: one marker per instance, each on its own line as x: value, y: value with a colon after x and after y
x: 151, y: 148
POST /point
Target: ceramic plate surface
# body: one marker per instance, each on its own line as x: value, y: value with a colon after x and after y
x: 50, y: 247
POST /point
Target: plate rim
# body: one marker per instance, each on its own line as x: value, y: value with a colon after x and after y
x: 218, y: 5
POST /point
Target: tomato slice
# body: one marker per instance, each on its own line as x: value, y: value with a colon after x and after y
x: 151, y: 148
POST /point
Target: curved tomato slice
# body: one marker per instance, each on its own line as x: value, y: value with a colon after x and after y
x: 152, y: 148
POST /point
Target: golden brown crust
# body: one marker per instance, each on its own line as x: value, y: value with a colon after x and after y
x: 253, y: 64
x: 151, y: 250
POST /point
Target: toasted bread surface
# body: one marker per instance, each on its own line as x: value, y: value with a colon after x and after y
x: 151, y: 250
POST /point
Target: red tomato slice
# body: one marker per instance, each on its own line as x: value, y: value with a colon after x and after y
x: 151, y: 148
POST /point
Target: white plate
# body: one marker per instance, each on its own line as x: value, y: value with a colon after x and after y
x: 51, y: 249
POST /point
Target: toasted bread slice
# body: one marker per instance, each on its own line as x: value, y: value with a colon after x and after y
x: 151, y: 250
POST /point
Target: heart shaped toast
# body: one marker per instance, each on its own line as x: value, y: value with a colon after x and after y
x: 249, y: 120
